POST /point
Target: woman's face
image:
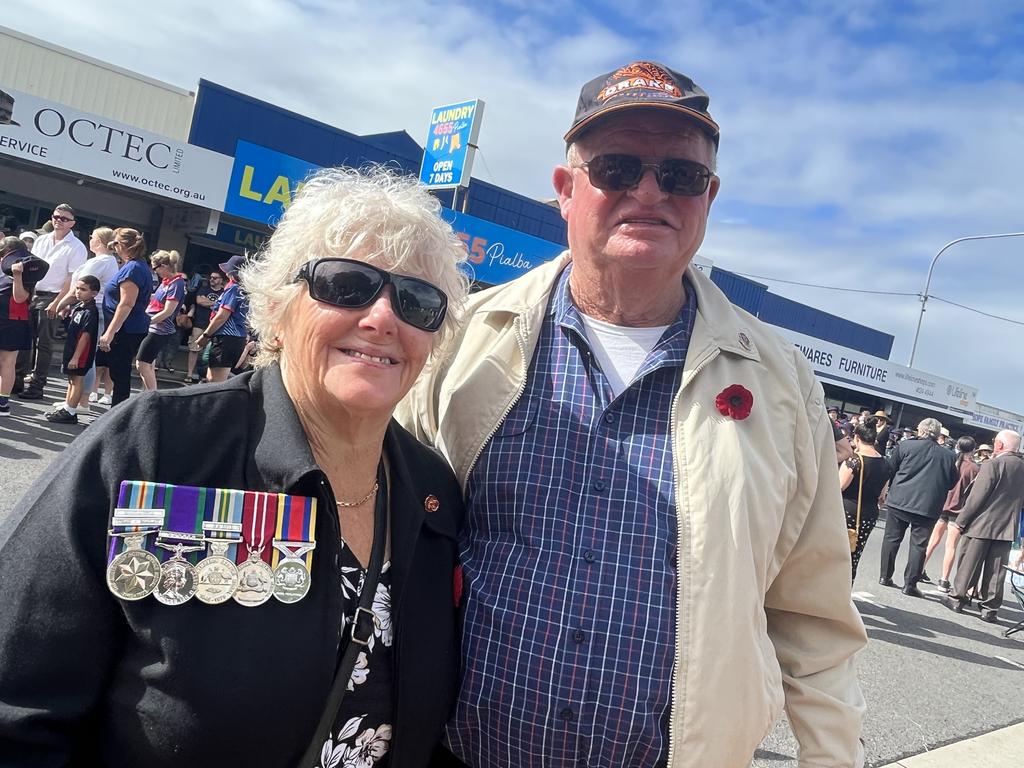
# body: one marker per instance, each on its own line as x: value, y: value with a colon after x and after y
x: 359, y: 361
x: 163, y: 271
x: 95, y: 245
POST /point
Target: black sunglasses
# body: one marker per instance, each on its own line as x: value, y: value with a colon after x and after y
x: 617, y: 173
x: 354, y: 284
x: 63, y: 219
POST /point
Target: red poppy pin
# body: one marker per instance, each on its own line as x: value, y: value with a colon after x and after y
x: 735, y: 401
x: 457, y: 585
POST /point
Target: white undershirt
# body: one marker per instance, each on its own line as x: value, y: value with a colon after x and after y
x: 620, y: 350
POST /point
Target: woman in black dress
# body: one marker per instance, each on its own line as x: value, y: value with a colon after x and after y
x: 876, y: 476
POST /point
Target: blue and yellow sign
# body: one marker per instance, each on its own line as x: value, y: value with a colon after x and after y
x: 263, y: 182
x: 451, y: 140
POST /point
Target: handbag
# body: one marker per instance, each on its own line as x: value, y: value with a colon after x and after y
x: 854, y: 532
x: 363, y: 617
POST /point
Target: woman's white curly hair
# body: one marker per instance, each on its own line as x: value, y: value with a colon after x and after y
x: 371, y: 214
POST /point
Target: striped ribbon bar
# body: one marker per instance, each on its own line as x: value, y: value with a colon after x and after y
x: 262, y: 517
x: 296, y: 521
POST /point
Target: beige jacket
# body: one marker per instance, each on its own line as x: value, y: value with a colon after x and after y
x: 764, y: 605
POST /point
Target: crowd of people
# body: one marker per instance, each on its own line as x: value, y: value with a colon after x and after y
x: 112, y: 305
x: 935, y: 488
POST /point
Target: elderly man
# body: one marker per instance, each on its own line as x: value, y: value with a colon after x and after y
x: 655, y: 556
x: 922, y: 474
x: 988, y: 523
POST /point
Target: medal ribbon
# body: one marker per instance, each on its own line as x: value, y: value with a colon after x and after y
x: 259, y: 519
x: 135, y: 494
x: 223, y: 505
x: 296, y: 521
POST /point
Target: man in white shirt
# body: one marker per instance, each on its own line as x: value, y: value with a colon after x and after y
x: 64, y: 253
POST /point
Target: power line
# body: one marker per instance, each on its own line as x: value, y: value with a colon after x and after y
x: 972, y: 309
x: 826, y: 287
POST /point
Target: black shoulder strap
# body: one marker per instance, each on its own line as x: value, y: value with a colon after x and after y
x: 362, y: 624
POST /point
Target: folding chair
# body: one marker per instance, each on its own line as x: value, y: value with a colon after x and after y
x: 1017, y: 587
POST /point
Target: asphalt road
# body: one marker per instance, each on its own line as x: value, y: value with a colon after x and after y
x: 930, y: 677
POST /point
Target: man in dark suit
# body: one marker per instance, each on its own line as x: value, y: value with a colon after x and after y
x: 922, y: 474
x: 988, y: 522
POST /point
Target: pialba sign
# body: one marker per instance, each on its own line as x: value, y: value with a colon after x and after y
x: 61, y: 137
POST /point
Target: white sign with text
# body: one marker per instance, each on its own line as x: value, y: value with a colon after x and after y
x: 62, y: 137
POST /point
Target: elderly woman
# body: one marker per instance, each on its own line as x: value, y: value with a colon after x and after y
x: 153, y: 616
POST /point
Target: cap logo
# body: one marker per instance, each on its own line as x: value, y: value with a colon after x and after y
x: 640, y: 76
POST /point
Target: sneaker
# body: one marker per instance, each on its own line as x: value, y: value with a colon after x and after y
x: 94, y: 397
x: 31, y: 393
x: 5, y: 410
x: 105, y: 400
x: 943, y: 586
x: 61, y: 416
x: 924, y: 578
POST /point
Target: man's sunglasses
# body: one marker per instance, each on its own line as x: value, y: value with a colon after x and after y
x: 63, y: 219
x: 354, y: 284
x: 617, y: 173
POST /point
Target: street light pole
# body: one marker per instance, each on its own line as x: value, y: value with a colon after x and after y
x: 928, y: 281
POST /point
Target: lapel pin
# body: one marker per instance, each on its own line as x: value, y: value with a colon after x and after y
x: 744, y: 341
x: 431, y: 504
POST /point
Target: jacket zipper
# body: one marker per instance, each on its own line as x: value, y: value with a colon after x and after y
x: 679, y: 551
x: 519, y: 393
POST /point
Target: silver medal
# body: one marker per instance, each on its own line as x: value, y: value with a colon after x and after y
x: 255, y: 581
x: 217, y: 576
x: 177, y: 577
x: 291, y: 577
x: 134, y: 573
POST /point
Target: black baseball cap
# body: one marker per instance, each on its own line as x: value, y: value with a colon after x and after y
x: 642, y: 85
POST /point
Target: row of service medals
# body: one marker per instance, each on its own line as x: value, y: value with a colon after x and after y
x: 136, y: 573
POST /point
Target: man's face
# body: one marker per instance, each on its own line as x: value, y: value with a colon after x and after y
x: 216, y: 281
x: 642, y: 228
x: 62, y: 222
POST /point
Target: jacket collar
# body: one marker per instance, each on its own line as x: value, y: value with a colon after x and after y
x: 719, y: 325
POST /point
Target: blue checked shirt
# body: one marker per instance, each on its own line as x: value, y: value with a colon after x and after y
x: 569, y: 554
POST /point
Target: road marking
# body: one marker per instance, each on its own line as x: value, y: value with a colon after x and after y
x: 1014, y: 663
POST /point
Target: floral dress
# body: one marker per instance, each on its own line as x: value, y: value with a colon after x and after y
x: 362, y: 735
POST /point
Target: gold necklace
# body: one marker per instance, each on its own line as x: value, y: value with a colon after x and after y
x: 363, y: 500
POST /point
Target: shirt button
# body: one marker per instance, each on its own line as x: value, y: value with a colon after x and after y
x: 578, y: 636
x: 599, y: 485
x: 609, y: 417
x: 589, y: 556
x: 567, y: 714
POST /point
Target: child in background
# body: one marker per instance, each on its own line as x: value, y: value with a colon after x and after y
x: 15, y: 332
x: 82, y: 323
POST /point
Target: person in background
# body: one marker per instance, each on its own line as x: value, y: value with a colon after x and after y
x: 28, y: 237
x: 983, y: 454
x: 125, y: 299
x: 102, y: 265
x: 162, y: 309
x: 922, y: 474
x: 227, y: 331
x: 82, y: 323
x: 862, y: 480
x: 202, y: 301
x: 955, y: 500
x: 883, y: 431
x: 989, y: 524
x: 655, y: 556
x: 64, y: 253
x: 16, y: 286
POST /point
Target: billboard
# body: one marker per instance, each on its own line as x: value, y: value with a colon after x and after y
x: 451, y: 141
x: 61, y: 137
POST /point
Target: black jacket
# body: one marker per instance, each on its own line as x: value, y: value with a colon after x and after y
x: 87, y: 679
x: 922, y: 474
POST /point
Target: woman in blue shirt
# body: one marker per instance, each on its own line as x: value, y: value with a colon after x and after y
x: 125, y: 299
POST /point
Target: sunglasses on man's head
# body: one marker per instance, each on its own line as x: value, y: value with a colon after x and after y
x: 63, y: 219
x: 617, y: 173
x: 355, y: 284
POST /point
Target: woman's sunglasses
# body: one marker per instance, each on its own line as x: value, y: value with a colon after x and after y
x: 354, y: 284
x: 617, y: 173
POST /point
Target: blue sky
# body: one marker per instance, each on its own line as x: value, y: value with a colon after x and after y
x: 857, y: 138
